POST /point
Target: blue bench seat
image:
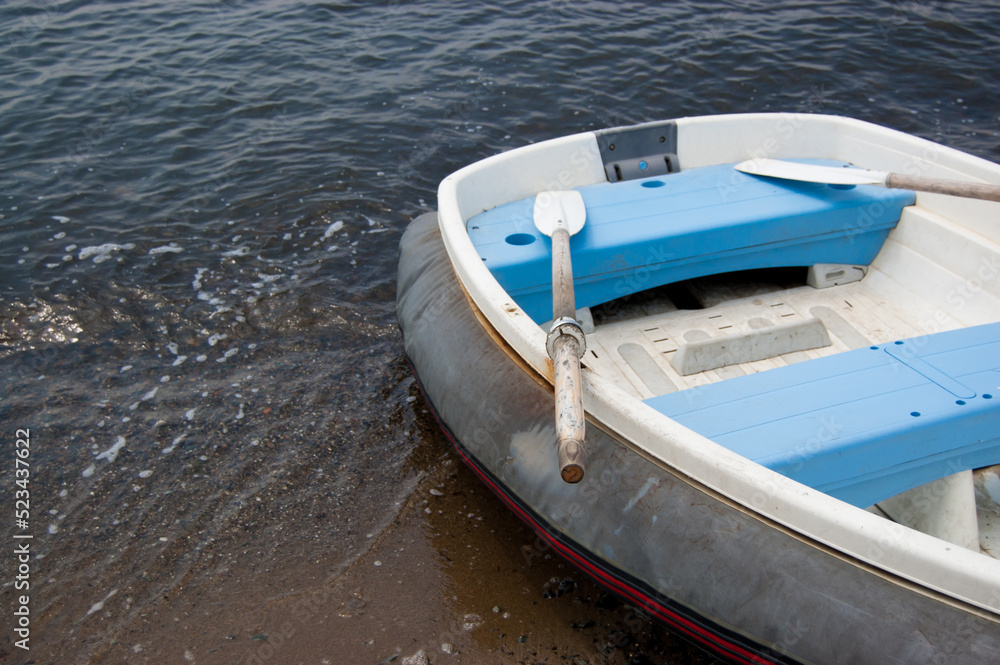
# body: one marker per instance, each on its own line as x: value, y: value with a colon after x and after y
x: 648, y: 232
x: 862, y: 425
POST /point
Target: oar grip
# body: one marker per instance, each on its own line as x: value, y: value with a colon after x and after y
x: 570, y: 420
x: 969, y: 190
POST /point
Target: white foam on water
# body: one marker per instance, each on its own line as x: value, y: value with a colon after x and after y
x: 165, y: 249
x: 99, y: 605
x: 150, y: 395
x: 60, y: 219
x: 333, y: 228
x: 190, y: 414
x: 89, y: 471
x: 228, y: 354
x: 111, y: 453
x: 242, y: 250
x: 180, y: 360
x: 215, y: 338
x: 240, y: 415
x: 102, y: 253
x: 145, y: 474
x: 196, y: 284
x: 173, y: 445
x: 209, y: 298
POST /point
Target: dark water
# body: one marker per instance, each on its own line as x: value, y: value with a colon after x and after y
x: 200, y: 207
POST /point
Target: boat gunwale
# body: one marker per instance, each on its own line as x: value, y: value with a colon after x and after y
x: 573, y: 161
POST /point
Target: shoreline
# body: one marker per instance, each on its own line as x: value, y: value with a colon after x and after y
x: 455, y: 578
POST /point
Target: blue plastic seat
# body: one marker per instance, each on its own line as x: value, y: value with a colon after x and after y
x: 645, y: 233
x: 862, y: 425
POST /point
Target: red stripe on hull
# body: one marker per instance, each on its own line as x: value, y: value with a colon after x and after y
x: 705, y: 638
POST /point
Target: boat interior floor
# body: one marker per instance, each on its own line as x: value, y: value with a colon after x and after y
x: 762, y: 320
x: 635, y: 341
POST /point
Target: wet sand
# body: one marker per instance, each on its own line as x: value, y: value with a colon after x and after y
x: 455, y: 578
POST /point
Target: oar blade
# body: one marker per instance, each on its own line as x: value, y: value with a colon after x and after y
x: 830, y: 175
x: 559, y: 210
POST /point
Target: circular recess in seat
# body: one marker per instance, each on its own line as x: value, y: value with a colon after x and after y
x: 520, y: 239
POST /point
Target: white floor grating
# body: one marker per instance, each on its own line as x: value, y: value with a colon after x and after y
x: 636, y: 353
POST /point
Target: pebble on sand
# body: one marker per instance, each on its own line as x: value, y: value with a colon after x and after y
x: 419, y: 658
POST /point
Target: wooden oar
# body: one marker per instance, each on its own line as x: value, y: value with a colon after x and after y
x: 560, y: 215
x: 835, y: 175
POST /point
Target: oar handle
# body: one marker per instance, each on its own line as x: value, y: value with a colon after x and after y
x: 969, y: 190
x: 566, y: 345
x: 570, y: 420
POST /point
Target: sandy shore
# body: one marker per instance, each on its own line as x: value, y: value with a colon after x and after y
x: 455, y: 578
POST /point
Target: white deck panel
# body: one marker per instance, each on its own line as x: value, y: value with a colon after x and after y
x: 852, y: 313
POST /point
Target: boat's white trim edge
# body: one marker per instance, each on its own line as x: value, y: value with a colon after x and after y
x: 574, y: 161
